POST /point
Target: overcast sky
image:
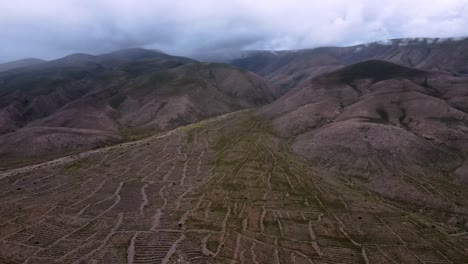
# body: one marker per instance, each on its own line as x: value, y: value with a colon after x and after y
x: 52, y: 28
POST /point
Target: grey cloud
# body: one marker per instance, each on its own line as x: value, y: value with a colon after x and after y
x: 52, y: 28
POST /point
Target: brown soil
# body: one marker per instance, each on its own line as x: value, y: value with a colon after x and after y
x: 220, y: 191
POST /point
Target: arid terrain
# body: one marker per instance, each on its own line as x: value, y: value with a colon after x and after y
x: 221, y: 191
x: 178, y: 161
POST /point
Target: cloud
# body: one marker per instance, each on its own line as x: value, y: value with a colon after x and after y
x: 52, y: 28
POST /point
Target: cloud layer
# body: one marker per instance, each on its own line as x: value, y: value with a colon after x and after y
x: 53, y: 28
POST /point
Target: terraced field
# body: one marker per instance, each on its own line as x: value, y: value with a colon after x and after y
x: 221, y: 191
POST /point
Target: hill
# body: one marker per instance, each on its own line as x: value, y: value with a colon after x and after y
x: 96, y: 100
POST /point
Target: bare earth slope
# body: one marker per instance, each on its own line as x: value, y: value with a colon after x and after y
x: 83, y: 101
x: 219, y: 191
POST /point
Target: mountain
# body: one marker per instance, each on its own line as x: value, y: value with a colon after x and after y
x: 288, y: 69
x: 360, y: 161
x: 19, y: 63
x: 376, y: 121
x: 82, y: 101
x: 228, y: 190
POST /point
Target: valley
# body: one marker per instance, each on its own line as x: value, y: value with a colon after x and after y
x: 233, y: 132
x: 225, y: 190
x: 320, y: 156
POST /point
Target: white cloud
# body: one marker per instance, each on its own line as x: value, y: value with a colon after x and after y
x: 51, y: 28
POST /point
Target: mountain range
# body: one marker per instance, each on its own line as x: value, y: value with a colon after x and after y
x: 287, y: 69
x: 328, y: 155
x: 83, y: 101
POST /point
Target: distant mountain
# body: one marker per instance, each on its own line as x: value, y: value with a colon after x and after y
x: 19, y: 63
x: 289, y: 69
x: 82, y: 101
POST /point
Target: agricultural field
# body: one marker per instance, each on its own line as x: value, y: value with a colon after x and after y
x: 225, y: 190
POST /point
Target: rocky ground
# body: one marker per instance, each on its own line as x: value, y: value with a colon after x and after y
x: 224, y: 190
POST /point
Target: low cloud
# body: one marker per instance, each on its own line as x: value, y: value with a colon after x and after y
x: 52, y: 28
